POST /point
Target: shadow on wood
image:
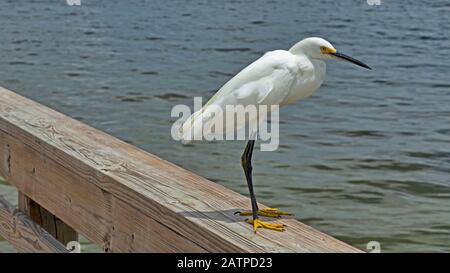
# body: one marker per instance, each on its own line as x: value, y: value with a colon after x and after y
x: 52, y: 224
x: 23, y: 233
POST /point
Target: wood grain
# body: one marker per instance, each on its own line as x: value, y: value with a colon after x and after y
x: 23, y: 233
x: 126, y: 199
x: 52, y: 224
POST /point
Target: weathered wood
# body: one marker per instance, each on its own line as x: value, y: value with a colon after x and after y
x: 52, y: 224
x: 23, y: 233
x: 84, y: 206
x: 126, y: 199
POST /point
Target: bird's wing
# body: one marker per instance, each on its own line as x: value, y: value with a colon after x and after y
x: 266, y: 81
x: 252, y: 84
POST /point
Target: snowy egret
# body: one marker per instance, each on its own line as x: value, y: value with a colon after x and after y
x: 279, y: 77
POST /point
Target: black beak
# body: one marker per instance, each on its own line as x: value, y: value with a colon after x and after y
x: 350, y: 59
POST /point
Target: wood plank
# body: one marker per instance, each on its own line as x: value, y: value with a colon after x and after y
x: 23, y: 233
x: 52, y: 224
x: 96, y: 214
x: 96, y: 183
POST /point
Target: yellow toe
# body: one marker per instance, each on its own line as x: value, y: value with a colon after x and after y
x: 260, y: 224
x: 273, y: 212
x: 267, y: 212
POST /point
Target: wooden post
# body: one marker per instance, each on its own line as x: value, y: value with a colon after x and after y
x: 52, y: 224
x: 23, y: 233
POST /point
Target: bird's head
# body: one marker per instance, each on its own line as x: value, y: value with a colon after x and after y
x: 318, y: 48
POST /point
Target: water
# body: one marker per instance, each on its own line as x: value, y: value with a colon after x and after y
x: 366, y: 158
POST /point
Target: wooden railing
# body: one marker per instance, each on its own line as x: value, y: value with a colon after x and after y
x: 75, y: 179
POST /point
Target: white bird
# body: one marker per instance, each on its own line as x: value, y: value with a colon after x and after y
x: 279, y: 77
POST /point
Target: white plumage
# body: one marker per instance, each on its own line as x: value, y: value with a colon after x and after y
x: 279, y: 77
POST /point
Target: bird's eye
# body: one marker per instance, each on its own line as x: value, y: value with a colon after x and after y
x: 322, y: 48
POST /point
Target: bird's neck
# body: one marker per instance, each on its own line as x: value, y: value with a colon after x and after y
x: 297, y: 49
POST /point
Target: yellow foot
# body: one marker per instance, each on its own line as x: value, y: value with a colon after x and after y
x: 268, y: 212
x: 260, y: 224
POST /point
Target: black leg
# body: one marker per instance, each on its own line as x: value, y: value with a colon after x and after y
x: 246, y: 161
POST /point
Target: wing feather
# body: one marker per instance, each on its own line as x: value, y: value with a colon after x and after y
x: 267, y: 81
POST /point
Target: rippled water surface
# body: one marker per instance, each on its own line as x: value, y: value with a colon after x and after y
x: 366, y: 158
